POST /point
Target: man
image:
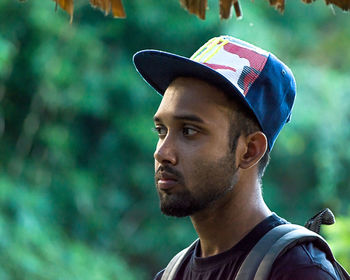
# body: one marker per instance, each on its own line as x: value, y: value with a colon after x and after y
x: 219, y: 117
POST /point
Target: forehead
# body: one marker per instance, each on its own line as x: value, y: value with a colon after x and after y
x: 193, y: 96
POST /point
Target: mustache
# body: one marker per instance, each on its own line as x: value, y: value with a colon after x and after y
x: 170, y: 171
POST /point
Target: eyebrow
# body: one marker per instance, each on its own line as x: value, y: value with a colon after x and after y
x: 192, y: 118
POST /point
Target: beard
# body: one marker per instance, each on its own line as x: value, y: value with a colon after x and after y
x: 213, y: 180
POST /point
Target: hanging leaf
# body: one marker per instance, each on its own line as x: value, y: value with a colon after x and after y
x: 279, y: 5
x: 225, y: 8
x: 197, y: 7
x: 118, y: 9
x: 343, y: 4
x: 66, y: 5
x: 107, y: 6
x: 237, y: 8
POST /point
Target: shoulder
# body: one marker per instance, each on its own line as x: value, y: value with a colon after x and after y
x: 304, y: 261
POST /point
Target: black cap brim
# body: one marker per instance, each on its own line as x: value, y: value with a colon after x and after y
x: 159, y: 69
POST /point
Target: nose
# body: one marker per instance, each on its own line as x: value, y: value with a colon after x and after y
x: 165, y: 152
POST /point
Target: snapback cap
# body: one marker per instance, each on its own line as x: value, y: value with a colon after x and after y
x: 258, y: 79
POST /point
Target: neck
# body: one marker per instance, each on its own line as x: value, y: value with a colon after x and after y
x: 229, y: 219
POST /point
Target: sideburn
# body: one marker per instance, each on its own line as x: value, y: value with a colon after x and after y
x: 233, y: 138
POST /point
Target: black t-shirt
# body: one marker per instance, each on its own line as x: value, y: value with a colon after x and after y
x: 302, y: 262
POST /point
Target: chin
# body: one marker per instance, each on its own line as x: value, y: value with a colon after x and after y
x: 177, y: 207
x: 179, y: 213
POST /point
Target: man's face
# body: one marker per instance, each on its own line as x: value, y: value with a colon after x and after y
x: 194, y: 166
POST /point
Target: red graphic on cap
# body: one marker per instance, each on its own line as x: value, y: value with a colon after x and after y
x: 218, y: 66
x: 257, y: 62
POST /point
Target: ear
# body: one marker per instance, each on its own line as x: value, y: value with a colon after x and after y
x: 255, y: 148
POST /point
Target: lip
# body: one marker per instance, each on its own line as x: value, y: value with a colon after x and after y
x: 166, y: 183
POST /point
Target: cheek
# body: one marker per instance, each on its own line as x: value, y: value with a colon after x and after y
x: 194, y: 165
x: 199, y: 155
x: 208, y: 165
x: 210, y: 151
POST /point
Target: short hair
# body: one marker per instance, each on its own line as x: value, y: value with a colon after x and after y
x: 243, y: 121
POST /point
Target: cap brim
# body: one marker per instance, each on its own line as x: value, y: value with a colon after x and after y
x: 160, y: 68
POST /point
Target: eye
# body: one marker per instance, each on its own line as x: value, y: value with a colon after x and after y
x: 189, y: 131
x: 160, y: 130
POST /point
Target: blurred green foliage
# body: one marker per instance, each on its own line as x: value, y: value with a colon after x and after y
x: 339, y: 239
x: 77, y: 199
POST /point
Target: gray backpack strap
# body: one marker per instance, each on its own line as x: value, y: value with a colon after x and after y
x: 258, y: 263
x: 252, y: 261
x: 173, y: 265
x: 287, y: 241
x: 342, y: 273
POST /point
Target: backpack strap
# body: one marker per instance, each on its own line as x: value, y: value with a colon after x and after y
x: 173, y: 265
x: 284, y: 243
x: 343, y: 274
x: 257, y: 265
x: 252, y: 261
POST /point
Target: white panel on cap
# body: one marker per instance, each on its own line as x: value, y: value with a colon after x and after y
x: 232, y: 61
